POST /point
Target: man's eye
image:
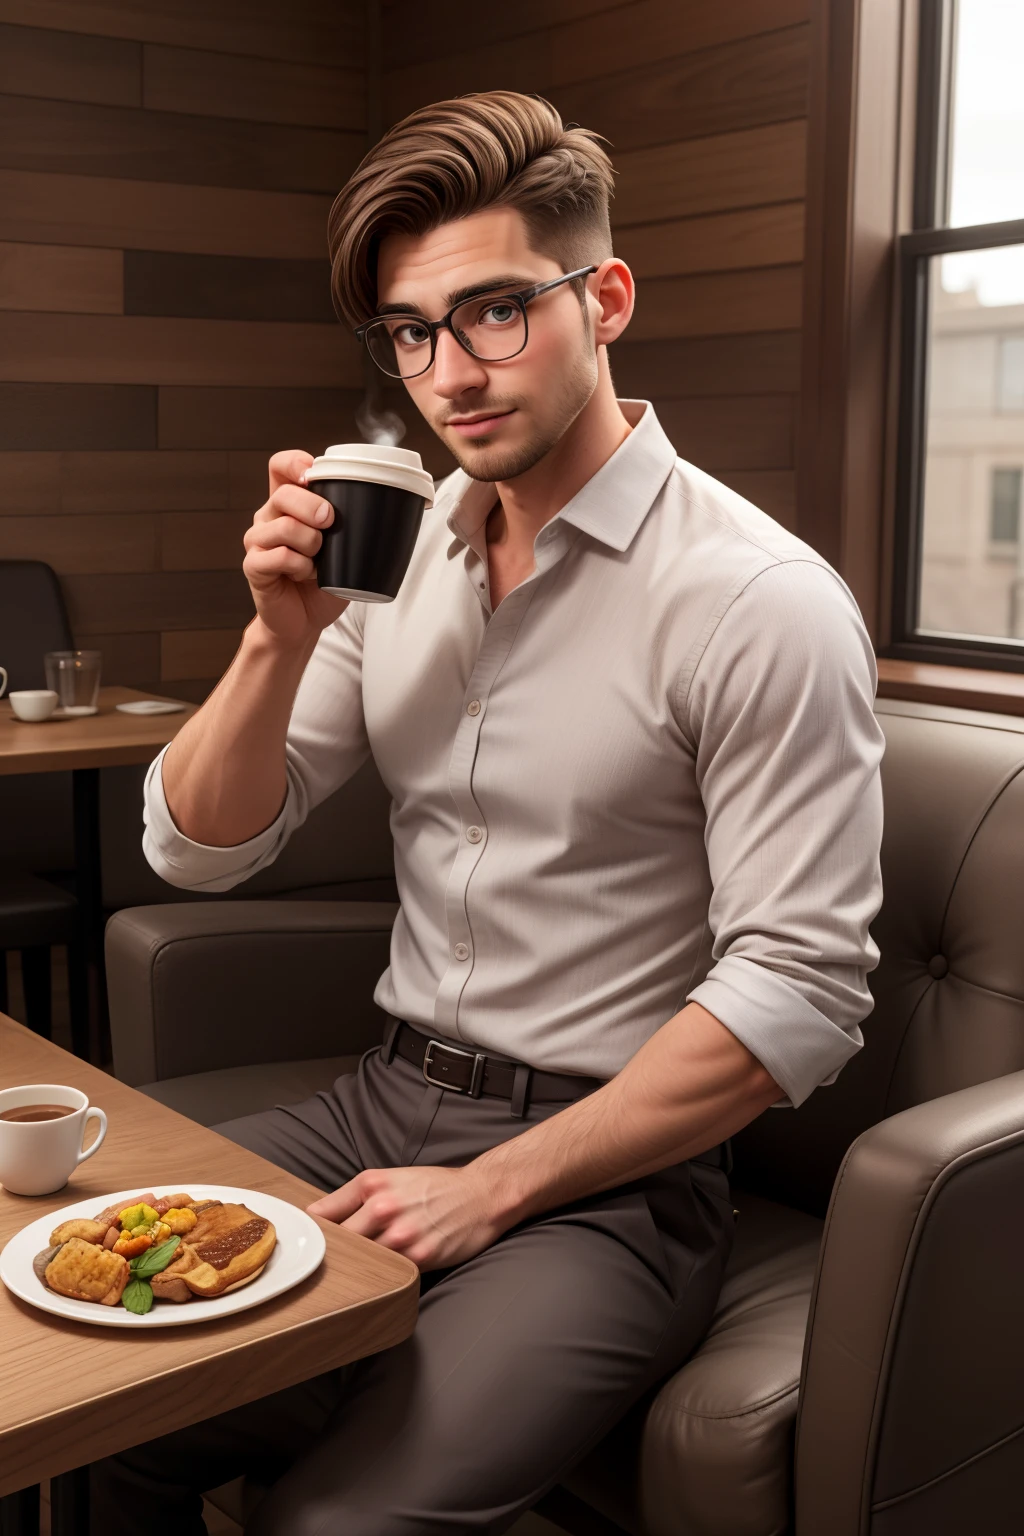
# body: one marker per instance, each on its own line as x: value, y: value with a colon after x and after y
x: 498, y: 314
x: 410, y: 334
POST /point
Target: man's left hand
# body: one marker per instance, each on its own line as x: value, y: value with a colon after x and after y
x: 437, y: 1217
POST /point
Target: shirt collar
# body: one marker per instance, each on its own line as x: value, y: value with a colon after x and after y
x: 613, y: 503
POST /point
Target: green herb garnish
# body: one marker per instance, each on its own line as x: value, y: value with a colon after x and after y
x: 154, y: 1259
x: 138, y: 1296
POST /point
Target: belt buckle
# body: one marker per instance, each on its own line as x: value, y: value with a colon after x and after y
x: 476, y: 1057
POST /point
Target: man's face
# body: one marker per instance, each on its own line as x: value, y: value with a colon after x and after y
x: 498, y: 418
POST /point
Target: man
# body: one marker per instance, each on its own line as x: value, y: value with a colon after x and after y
x: 626, y: 723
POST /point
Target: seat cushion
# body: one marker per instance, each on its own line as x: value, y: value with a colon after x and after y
x: 712, y: 1453
x: 210, y: 1097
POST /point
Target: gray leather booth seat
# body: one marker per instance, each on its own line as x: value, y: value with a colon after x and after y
x: 865, y: 1369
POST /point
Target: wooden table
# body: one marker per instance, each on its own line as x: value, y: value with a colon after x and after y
x: 73, y: 1394
x: 84, y: 745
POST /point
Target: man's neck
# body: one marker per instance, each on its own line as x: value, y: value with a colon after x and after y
x: 534, y: 498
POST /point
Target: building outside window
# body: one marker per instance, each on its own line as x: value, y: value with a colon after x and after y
x: 960, y: 566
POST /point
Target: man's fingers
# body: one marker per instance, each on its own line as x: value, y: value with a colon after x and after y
x: 294, y: 501
x: 283, y: 531
x: 262, y: 566
x: 340, y: 1204
x: 287, y: 467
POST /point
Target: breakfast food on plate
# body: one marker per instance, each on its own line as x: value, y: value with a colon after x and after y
x: 88, y: 1272
x: 231, y: 1245
x: 166, y: 1248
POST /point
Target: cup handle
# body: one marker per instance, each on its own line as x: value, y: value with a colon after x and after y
x: 93, y: 1114
x: 3, y: 685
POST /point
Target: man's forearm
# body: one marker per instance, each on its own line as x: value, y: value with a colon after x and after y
x: 224, y: 774
x: 691, y: 1086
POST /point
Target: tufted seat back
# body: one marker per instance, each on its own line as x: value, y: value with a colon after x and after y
x: 949, y: 991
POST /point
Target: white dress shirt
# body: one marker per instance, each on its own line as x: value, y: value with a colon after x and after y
x: 650, y: 776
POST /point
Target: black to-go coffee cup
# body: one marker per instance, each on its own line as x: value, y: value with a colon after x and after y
x: 378, y: 495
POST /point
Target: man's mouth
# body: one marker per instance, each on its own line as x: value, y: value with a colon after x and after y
x: 479, y: 424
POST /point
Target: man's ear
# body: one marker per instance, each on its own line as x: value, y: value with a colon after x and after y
x: 613, y: 291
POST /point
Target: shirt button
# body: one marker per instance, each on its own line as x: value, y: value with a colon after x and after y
x: 473, y: 707
x: 461, y: 951
x: 474, y: 834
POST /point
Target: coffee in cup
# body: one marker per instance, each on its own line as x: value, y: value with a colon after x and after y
x: 41, y: 1130
x: 379, y: 495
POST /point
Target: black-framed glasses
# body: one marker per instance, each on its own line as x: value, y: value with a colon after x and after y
x: 491, y: 327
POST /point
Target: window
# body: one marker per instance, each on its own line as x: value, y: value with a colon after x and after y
x: 959, y: 570
x: 1004, y: 524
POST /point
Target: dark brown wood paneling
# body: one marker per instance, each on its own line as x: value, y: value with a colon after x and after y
x: 157, y: 600
x: 79, y: 279
x: 313, y: 32
x: 519, y: 65
x: 731, y: 170
x: 718, y: 303
x: 29, y: 482
x: 740, y: 85
x: 413, y: 34
x: 142, y: 215
x: 759, y: 364
x: 264, y: 419
x: 750, y: 432
x: 136, y: 348
x: 93, y: 542
x: 750, y: 237
x: 261, y: 90
x: 772, y: 490
x: 249, y: 478
x: 36, y: 62
x: 171, y: 146
x: 141, y: 482
x: 77, y: 416
x: 652, y: 30
x: 202, y: 541
x: 198, y: 653
x: 132, y: 660
x: 226, y: 287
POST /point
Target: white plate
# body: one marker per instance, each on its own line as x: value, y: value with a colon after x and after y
x: 300, y: 1250
x: 150, y: 707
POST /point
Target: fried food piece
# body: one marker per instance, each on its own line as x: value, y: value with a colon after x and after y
x: 87, y: 1272
x: 112, y: 1213
x: 231, y: 1243
x: 170, y: 1202
x: 130, y: 1247
x: 89, y: 1231
x: 199, y: 1206
x: 41, y: 1260
x: 180, y: 1221
x: 169, y: 1285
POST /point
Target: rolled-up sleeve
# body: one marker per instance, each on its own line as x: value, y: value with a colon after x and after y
x: 326, y: 744
x: 788, y: 754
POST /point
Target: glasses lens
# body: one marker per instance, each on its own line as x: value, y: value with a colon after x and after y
x: 492, y: 328
x: 400, y: 345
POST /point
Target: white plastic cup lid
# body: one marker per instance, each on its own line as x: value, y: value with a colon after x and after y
x: 373, y: 462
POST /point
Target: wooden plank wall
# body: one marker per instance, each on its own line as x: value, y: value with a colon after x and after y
x: 166, y: 167
x: 705, y: 107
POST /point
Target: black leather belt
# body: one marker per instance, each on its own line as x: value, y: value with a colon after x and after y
x: 475, y: 1073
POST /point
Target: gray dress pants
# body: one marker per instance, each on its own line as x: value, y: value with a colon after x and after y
x: 522, y: 1358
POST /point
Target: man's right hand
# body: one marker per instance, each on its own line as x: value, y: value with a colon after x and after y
x: 279, y: 548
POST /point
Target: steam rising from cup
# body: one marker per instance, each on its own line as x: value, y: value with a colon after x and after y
x: 385, y: 428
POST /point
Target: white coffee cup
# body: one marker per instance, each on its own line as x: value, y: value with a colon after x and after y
x: 34, y: 703
x: 37, y: 1157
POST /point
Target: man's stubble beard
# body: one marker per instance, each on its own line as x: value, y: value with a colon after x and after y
x: 502, y: 464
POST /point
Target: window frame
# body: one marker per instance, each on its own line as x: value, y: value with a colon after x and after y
x: 929, y: 237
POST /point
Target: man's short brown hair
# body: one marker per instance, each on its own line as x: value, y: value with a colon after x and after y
x: 443, y: 162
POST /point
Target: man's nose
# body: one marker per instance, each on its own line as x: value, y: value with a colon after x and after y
x: 455, y: 369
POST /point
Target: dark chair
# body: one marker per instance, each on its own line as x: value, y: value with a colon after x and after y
x: 35, y: 914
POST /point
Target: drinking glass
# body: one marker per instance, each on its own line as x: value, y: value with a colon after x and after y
x: 75, y: 678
